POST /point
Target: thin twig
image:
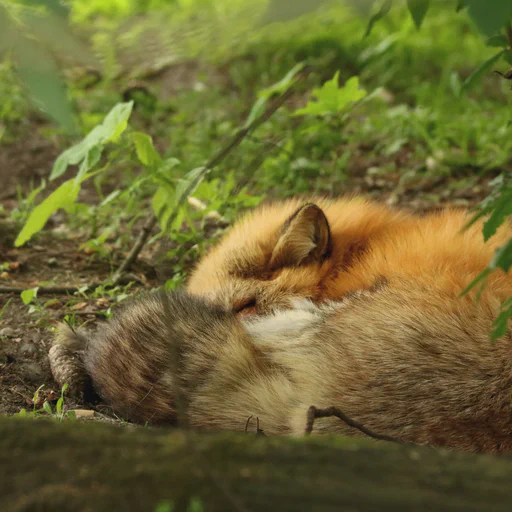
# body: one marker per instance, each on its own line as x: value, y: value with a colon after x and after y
x: 64, y: 290
x: 57, y: 290
x: 139, y: 244
x: 329, y: 412
x: 237, y: 139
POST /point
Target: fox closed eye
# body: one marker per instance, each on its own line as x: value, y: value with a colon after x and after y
x: 245, y: 307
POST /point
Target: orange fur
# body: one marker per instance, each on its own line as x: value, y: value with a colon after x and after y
x: 369, y: 241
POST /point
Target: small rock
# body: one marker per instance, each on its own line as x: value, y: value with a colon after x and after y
x: 28, y: 349
x: 32, y: 372
x: 52, y: 262
x: 7, y: 331
x: 431, y: 163
x: 36, y: 337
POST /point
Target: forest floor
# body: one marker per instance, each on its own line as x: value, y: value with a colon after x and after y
x: 420, y: 148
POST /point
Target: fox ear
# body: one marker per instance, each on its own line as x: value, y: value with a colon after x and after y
x: 305, y: 237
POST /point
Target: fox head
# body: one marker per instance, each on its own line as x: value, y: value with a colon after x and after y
x: 278, y: 253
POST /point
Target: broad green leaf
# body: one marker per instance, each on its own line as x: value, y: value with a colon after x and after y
x: 91, y: 159
x: 461, y: 4
x: 54, y: 6
x: 47, y: 408
x: 195, y: 505
x: 332, y: 99
x: 418, y: 10
x: 116, y: 121
x: 497, y: 41
x: 59, y: 198
x: 112, y: 127
x: 27, y: 296
x: 501, y: 209
x: 489, y: 15
x: 503, y: 257
x: 146, y: 152
x: 257, y: 109
x: 384, y: 9
x: 60, y: 404
x: 50, y: 27
x: 500, y: 325
x: 480, y: 71
x: 40, y: 74
x: 165, y: 506
x: 161, y: 201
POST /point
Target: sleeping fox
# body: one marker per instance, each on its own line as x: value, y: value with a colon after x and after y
x: 343, y: 303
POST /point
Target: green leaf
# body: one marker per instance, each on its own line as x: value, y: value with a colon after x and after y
x: 60, y: 404
x: 480, y: 71
x: 503, y: 257
x: 332, y: 99
x: 27, y: 296
x: 116, y: 121
x: 265, y: 94
x: 188, y: 184
x: 501, y: 209
x: 418, y: 10
x: 59, y: 198
x: 146, y: 152
x: 91, y: 159
x: 165, y: 506
x: 110, y: 129
x: 497, y: 41
x: 489, y: 15
x: 47, y: 408
x: 257, y: 109
x: 461, y: 4
x: 478, y: 279
x: 195, y: 505
x: 40, y: 74
x: 500, y: 326
x: 71, y: 415
x: 384, y: 9
x: 162, y: 200
x: 285, y: 83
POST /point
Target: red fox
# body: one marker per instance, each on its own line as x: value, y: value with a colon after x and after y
x: 342, y: 303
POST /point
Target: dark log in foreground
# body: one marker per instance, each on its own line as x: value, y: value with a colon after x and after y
x: 47, y: 466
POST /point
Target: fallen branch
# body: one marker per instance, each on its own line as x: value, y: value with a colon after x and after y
x: 64, y: 290
x: 329, y: 412
x: 237, y: 139
x: 139, y: 244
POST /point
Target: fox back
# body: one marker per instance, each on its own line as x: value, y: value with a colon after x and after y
x: 325, y: 249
